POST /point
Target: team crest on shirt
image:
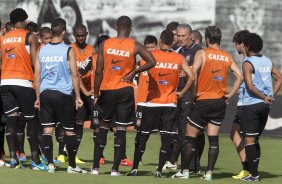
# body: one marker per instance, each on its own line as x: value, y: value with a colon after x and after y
x: 188, y: 58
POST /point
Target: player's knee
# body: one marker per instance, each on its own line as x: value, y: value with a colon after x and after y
x: 213, y: 140
x: 120, y: 137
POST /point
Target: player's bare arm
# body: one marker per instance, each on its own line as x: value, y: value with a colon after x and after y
x: 98, y: 72
x: 75, y: 77
x: 33, y: 41
x: 37, y: 79
x: 146, y: 56
x: 239, y: 79
x: 276, y: 74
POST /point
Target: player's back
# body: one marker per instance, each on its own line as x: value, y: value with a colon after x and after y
x: 54, y: 65
x: 212, y: 79
x: 119, y: 60
x: 16, y: 62
x: 164, y: 76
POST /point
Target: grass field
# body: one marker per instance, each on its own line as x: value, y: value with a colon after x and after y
x: 228, y: 164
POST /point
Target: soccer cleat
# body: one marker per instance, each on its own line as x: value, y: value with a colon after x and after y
x: 38, y: 167
x: 22, y: 157
x: 78, y: 161
x: 169, y: 165
x: 133, y: 172
x: 207, y: 176
x: 102, y: 161
x: 51, y: 168
x: 75, y: 170
x: 62, y: 158
x: 4, y: 164
x: 158, y: 174
x: 181, y: 175
x: 16, y: 165
x: 242, y: 174
x: 126, y: 162
x: 94, y: 171
x: 115, y: 173
x: 251, y: 178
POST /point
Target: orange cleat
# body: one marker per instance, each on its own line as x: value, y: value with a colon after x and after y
x: 102, y: 161
x: 126, y: 162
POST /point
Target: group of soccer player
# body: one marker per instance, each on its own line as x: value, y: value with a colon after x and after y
x: 182, y: 93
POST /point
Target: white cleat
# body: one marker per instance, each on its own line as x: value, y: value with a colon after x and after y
x: 94, y: 171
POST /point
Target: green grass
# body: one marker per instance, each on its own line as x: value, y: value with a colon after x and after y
x: 228, y: 164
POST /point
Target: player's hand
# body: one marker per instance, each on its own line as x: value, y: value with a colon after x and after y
x: 92, y: 92
x: 129, y: 77
x: 227, y: 98
x: 179, y: 94
x: 268, y: 100
x: 182, y: 74
x: 78, y: 103
x: 37, y: 104
x: 88, y: 93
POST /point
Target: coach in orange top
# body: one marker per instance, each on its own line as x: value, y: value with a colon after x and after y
x: 210, y: 67
x: 18, y: 49
x: 115, y: 70
x: 82, y: 51
x: 161, y: 106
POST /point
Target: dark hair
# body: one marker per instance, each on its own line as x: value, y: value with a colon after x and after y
x: 150, y: 39
x: 101, y: 39
x: 44, y: 30
x: 9, y: 26
x: 124, y: 22
x: 197, y: 35
x: 172, y: 26
x: 18, y: 15
x: 239, y: 36
x: 32, y: 27
x: 253, y: 42
x: 166, y: 37
x: 213, y: 33
x: 79, y: 26
x: 58, y: 26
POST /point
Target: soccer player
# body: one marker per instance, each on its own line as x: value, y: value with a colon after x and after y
x: 235, y: 131
x: 172, y: 26
x: 210, y: 68
x: 161, y: 106
x: 19, y: 48
x: 188, y: 50
x: 56, y: 77
x: 258, y: 96
x: 197, y: 37
x: 45, y: 35
x: 82, y: 51
x: 115, y: 70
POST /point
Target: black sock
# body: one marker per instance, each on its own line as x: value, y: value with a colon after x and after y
x: 11, y: 135
x: 166, y: 140
x: 245, y: 165
x: 79, y: 132
x: 21, y: 135
x: 258, y: 153
x: 140, y: 146
x: 188, y: 150
x: 213, y: 152
x: 33, y: 128
x: 252, y: 155
x: 48, y: 147
x: 175, y: 150
x: 100, y: 144
x: 71, y: 144
x: 200, y: 145
x: 119, y: 147
x: 60, y: 136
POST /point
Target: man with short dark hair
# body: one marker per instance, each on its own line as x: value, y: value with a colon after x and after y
x: 19, y: 48
x: 258, y: 96
x: 210, y: 100
x: 172, y: 26
x: 150, y: 42
x: 197, y: 37
x: 56, y: 77
x: 161, y: 103
x: 115, y: 70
